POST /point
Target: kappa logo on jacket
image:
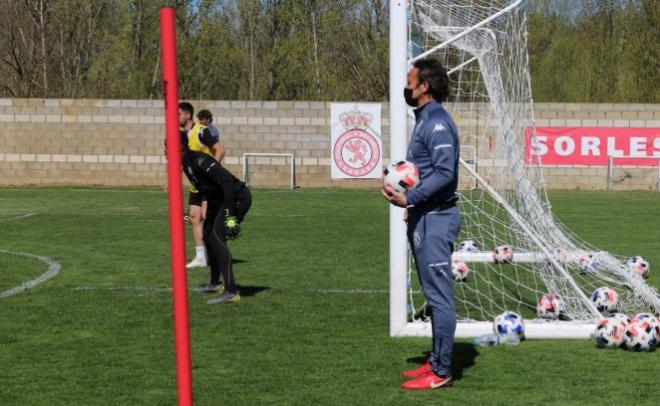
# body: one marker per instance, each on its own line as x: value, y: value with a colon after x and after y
x: 439, y: 127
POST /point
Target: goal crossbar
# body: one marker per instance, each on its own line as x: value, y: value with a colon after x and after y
x: 467, y: 31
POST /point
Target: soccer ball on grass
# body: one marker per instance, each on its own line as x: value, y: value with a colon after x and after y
x: 622, y: 316
x: 559, y: 255
x: 503, y: 254
x: 509, y: 323
x: 648, y: 318
x: 639, y: 265
x: 550, y: 306
x: 588, y: 263
x: 606, y: 299
x: 609, y: 332
x: 468, y: 246
x: 640, y: 336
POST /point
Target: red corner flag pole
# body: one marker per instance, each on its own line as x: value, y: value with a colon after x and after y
x: 177, y: 245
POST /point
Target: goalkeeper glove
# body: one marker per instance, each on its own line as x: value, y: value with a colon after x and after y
x: 232, y: 228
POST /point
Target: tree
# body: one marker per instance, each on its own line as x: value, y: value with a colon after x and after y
x: 39, y: 11
x: 580, y: 50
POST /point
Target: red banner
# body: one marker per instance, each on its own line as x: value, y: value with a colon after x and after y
x: 592, y: 146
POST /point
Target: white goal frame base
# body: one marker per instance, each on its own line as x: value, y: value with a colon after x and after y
x: 519, y: 257
x: 534, y: 329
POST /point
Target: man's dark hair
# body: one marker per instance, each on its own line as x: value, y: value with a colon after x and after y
x: 204, y: 115
x: 187, y: 107
x: 432, y: 72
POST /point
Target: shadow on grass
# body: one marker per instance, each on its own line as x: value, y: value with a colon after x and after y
x: 237, y: 261
x: 462, y: 358
x: 251, y: 290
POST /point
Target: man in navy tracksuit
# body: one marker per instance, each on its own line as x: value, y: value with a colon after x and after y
x: 432, y: 216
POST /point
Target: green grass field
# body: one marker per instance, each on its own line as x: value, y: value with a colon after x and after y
x: 100, y: 332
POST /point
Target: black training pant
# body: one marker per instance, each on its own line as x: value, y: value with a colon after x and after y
x: 216, y: 242
x: 217, y: 248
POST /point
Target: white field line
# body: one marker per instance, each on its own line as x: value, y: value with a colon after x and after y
x: 297, y: 191
x: 124, y: 288
x: 278, y: 215
x: 115, y: 214
x: 53, y: 269
x: 351, y: 291
x: 22, y: 216
x: 261, y: 189
x: 165, y: 289
x: 64, y: 189
x: 119, y: 191
x: 279, y: 189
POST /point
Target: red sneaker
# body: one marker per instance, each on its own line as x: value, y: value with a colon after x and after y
x: 428, y: 381
x: 417, y: 372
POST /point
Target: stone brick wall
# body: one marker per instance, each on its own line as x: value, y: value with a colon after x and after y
x: 120, y: 142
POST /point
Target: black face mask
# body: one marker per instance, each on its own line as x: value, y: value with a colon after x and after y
x: 407, y: 94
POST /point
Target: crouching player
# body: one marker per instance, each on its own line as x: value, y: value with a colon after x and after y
x: 228, y: 201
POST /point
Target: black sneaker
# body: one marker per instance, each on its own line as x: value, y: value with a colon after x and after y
x: 209, y: 288
x: 226, y: 297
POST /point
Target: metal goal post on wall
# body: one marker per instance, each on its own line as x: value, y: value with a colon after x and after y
x: 611, y: 165
x: 292, y: 165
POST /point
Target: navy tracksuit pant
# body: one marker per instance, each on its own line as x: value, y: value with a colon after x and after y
x: 431, y: 235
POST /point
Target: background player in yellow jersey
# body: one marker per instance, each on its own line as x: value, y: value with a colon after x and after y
x: 200, y: 139
x: 205, y: 118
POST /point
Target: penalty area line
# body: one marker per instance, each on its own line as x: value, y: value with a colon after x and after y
x: 22, y: 216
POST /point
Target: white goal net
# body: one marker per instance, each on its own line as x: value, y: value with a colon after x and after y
x: 483, y: 45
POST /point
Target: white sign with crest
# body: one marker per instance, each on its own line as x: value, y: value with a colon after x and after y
x: 356, y: 142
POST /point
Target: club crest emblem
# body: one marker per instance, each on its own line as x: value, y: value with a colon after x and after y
x: 356, y: 151
x: 416, y: 239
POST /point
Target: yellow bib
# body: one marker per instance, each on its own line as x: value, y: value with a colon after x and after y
x: 193, y: 141
x: 195, y: 145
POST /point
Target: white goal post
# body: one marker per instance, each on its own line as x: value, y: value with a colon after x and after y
x: 398, y: 146
x: 292, y: 166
